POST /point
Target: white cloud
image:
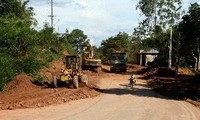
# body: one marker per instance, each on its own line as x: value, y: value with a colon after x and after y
x: 187, y: 3
x: 99, y: 19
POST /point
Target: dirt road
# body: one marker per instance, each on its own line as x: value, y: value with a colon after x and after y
x: 117, y: 102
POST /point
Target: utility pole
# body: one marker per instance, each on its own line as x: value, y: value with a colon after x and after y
x: 155, y: 16
x: 170, y: 49
x: 52, y: 15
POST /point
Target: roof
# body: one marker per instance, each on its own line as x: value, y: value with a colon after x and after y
x: 151, y: 51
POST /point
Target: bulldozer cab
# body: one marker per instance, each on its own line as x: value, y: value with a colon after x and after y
x: 73, y: 62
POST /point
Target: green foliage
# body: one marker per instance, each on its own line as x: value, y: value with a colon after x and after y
x: 120, y: 42
x: 158, y: 12
x: 28, y: 48
x: 15, y: 37
x: 29, y: 65
x: 135, y: 47
x: 97, y: 52
x: 190, y: 31
x: 38, y: 78
x: 183, y: 63
x: 19, y: 9
x: 78, y: 39
x: 7, y: 69
x: 158, y: 41
x: 23, y: 49
x: 186, y: 39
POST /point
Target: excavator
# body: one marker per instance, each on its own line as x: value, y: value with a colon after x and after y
x: 89, y: 60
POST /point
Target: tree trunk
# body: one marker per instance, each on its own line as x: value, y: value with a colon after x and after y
x: 198, y: 60
x: 177, y: 55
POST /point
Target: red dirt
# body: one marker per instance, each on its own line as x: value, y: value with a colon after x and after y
x: 185, y: 71
x: 54, y: 69
x: 22, y: 93
x: 20, y: 83
x: 184, y: 86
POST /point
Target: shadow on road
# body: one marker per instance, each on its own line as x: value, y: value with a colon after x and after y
x: 140, y: 90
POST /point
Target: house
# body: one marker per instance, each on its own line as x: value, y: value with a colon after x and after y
x: 145, y: 56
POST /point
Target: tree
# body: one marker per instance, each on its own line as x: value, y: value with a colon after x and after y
x: 16, y: 38
x: 158, y: 41
x: 26, y: 50
x: 120, y: 42
x: 18, y: 9
x: 158, y: 12
x: 190, y: 28
x: 162, y: 12
x: 66, y: 45
x: 15, y: 22
x: 78, y: 39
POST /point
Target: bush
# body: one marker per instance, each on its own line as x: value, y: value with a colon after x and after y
x: 7, y: 70
x: 29, y: 65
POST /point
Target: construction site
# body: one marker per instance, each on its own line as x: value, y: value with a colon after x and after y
x: 100, y: 60
x: 103, y: 86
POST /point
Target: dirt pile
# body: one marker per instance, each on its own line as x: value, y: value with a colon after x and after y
x: 185, y: 71
x: 22, y: 93
x: 44, y: 97
x: 21, y: 82
x: 53, y: 69
x: 161, y: 72
x: 183, y: 86
x: 29, y: 95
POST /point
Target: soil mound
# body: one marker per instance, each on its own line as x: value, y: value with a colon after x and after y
x: 161, y: 72
x: 22, y: 93
x: 54, y: 69
x: 21, y: 82
x: 185, y: 85
x: 185, y: 71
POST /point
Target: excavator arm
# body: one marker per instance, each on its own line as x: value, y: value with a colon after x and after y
x: 90, y: 50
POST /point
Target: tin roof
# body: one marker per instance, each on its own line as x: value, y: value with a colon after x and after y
x: 149, y: 51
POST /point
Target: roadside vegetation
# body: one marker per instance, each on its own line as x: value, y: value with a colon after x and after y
x: 167, y: 27
x: 161, y: 19
x: 26, y: 50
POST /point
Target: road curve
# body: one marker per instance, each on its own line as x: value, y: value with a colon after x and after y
x: 117, y: 102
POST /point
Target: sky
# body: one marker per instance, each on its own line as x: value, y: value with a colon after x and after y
x: 99, y: 19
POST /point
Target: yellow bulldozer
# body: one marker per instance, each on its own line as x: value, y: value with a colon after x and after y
x: 72, y: 73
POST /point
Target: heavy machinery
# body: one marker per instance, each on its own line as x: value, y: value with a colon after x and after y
x: 118, y: 61
x: 72, y: 73
x: 89, y: 60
